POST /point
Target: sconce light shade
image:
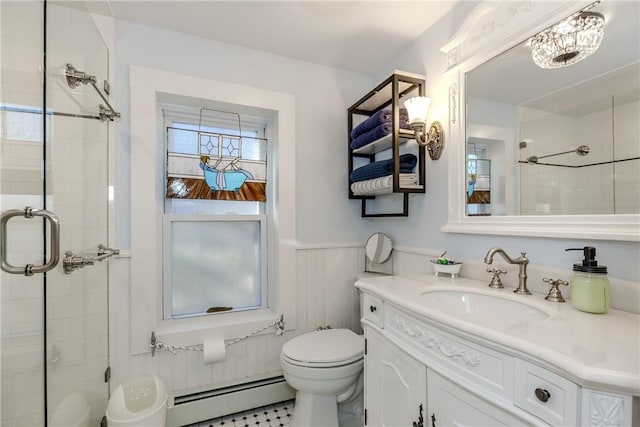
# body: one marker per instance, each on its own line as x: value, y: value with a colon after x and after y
x: 569, y: 41
x: 433, y: 139
x: 417, y: 109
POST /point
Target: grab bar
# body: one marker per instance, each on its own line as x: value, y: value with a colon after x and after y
x: 72, y: 262
x: 30, y: 269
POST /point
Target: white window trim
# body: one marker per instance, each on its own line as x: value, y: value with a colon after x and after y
x: 148, y: 88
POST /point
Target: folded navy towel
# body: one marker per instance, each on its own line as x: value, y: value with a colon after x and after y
x: 383, y: 168
x: 371, y: 135
x: 378, y: 118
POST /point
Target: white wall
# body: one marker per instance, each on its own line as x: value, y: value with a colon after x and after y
x: 429, y: 212
x: 322, y: 95
x: 327, y: 222
x: 326, y: 273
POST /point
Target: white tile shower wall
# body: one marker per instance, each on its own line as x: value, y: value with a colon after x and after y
x: 590, y: 189
x: 77, y: 304
x: 326, y: 296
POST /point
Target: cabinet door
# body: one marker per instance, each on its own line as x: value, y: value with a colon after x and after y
x: 451, y: 405
x: 395, y: 384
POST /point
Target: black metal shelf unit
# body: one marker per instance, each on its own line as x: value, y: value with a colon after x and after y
x: 388, y: 93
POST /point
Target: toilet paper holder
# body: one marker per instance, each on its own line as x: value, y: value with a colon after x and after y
x: 157, y: 345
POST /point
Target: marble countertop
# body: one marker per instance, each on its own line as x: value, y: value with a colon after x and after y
x: 599, y: 351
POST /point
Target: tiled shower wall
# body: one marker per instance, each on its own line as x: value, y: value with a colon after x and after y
x: 77, y: 311
x: 602, y: 189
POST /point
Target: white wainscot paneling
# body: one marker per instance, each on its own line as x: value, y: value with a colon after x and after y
x: 326, y: 295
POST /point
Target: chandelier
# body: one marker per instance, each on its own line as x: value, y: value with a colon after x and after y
x: 568, y: 41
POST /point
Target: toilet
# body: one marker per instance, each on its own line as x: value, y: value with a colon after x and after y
x: 325, y: 369
x: 140, y: 401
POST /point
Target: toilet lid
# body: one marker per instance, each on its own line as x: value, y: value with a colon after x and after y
x: 328, y: 347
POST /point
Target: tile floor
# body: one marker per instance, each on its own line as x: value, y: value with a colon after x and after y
x: 277, y: 415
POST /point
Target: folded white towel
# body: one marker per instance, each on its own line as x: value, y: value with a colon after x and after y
x: 383, y: 185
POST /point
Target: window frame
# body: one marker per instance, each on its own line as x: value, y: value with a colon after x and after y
x: 148, y: 88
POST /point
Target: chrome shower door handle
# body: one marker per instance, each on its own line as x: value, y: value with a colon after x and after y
x: 30, y: 269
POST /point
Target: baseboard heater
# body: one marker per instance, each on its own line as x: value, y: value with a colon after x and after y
x: 208, y: 404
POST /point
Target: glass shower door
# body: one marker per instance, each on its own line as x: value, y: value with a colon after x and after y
x: 54, y: 349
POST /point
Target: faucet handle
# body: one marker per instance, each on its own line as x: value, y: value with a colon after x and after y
x: 554, y: 294
x: 495, y: 280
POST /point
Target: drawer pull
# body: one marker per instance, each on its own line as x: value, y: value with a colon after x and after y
x: 373, y: 308
x: 542, y: 395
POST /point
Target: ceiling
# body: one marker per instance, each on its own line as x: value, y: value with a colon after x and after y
x: 359, y: 36
x: 569, y: 90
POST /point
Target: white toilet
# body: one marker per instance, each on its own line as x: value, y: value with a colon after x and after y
x: 325, y: 368
x: 140, y: 401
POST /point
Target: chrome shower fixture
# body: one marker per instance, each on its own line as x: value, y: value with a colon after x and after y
x: 582, y: 150
x: 76, y: 77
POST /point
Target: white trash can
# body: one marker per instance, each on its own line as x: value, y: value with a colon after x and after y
x: 140, y: 401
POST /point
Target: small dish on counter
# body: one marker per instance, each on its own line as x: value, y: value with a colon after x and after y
x: 452, y: 268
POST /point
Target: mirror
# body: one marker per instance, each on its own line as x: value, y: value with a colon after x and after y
x: 378, y: 254
x: 560, y: 141
x: 378, y: 248
x: 487, y: 38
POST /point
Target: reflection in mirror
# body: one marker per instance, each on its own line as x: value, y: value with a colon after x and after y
x: 378, y: 251
x: 560, y: 141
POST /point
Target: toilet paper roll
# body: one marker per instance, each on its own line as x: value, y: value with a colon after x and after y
x: 214, y: 350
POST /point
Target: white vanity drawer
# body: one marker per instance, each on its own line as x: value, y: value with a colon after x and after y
x: 373, y: 310
x: 546, y: 395
x: 475, y: 365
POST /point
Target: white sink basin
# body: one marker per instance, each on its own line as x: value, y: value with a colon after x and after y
x: 482, y: 307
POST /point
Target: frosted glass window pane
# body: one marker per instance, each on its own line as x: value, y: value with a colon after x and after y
x: 214, y: 264
x: 254, y: 149
x: 182, y: 141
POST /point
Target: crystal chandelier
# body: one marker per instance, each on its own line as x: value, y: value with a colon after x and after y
x: 569, y: 41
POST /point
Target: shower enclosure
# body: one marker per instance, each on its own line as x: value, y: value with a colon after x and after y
x: 54, y: 198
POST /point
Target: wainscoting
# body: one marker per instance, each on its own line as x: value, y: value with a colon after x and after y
x: 325, y: 297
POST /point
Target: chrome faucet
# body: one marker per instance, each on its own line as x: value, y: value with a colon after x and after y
x: 521, y: 261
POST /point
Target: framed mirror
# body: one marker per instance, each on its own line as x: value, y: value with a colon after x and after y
x: 545, y: 151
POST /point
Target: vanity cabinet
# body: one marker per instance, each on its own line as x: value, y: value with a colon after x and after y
x: 387, y: 95
x: 395, y: 391
x: 451, y: 405
x: 420, y: 372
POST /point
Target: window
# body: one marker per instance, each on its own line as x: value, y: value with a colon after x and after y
x: 150, y: 89
x: 215, y: 227
x: 21, y: 123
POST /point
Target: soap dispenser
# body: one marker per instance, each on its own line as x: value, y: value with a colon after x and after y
x: 589, y: 287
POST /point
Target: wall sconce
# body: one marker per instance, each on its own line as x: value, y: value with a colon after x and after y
x: 417, y: 109
x: 569, y: 41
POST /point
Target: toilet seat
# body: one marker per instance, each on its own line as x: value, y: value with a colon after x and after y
x: 324, y: 349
